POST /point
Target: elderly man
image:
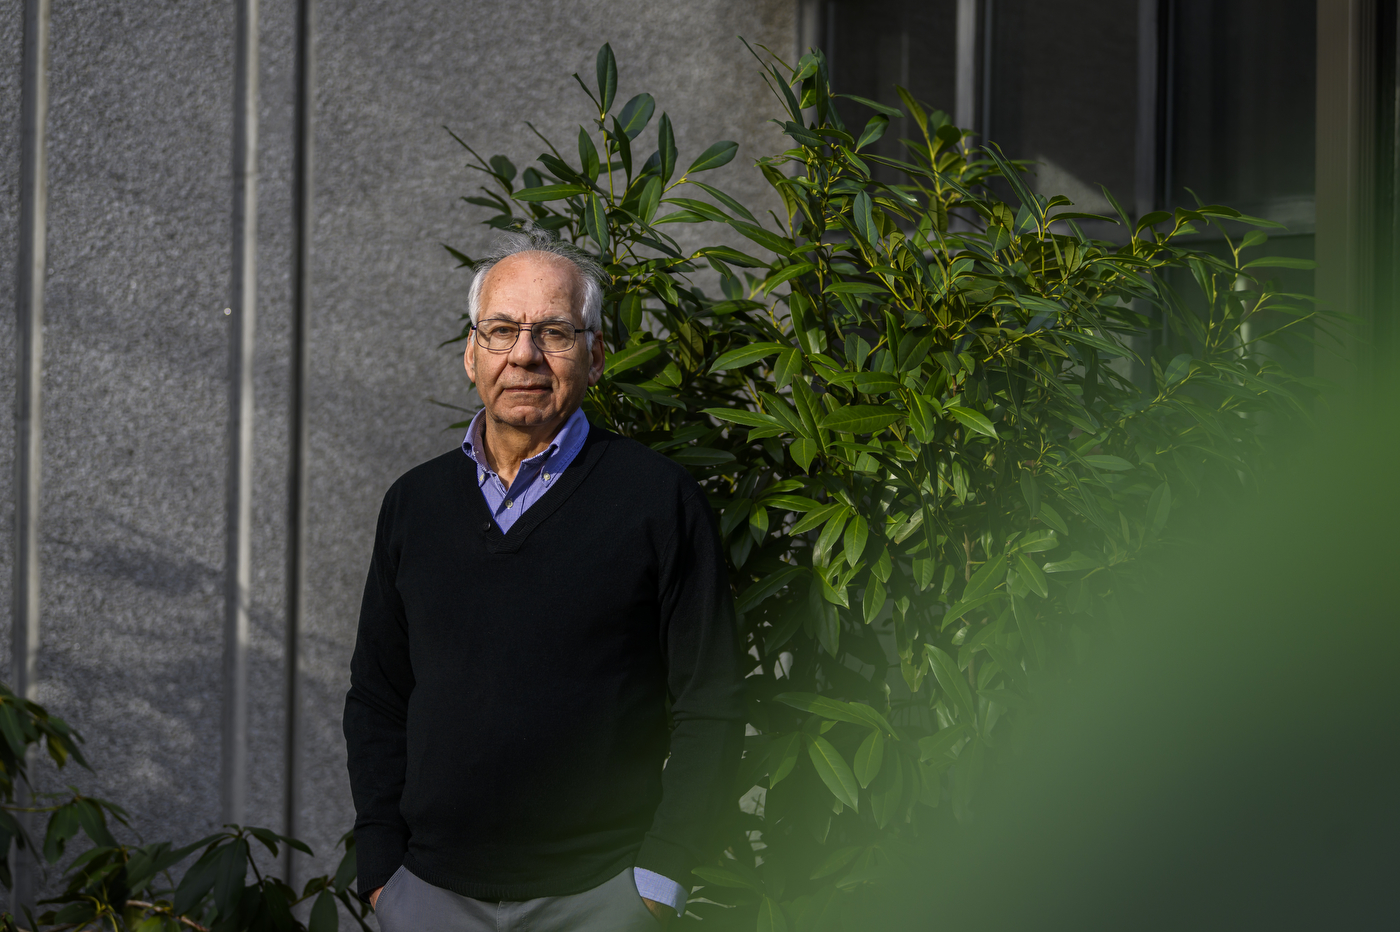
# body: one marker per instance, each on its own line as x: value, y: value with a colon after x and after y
x: 535, y: 601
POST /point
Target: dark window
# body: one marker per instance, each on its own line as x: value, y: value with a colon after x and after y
x: 1063, y: 92
x: 873, y: 45
x: 1243, y: 93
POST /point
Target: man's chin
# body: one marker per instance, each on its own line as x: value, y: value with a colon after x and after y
x: 525, y: 416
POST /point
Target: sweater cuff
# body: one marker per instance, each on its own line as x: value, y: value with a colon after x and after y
x: 379, y: 852
x: 666, y: 859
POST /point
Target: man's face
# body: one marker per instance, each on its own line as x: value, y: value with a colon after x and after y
x: 524, y: 387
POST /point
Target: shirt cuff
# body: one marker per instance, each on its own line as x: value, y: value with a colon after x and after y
x: 653, y: 886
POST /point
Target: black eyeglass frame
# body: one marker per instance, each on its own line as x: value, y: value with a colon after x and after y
x: 520, y: 328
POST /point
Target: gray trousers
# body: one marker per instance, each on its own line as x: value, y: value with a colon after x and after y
x: 408, y: 904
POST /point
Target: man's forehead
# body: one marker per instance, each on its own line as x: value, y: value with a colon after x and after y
x: 532, y: 284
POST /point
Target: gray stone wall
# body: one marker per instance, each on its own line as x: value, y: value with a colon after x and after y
x: 135, y: 358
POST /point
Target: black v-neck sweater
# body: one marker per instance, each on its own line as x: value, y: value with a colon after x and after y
x: 506, y: 721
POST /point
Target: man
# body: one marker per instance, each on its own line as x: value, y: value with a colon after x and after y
x: 534, y: 601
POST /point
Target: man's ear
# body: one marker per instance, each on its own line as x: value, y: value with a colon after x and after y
x: 468, y: 362
x: 597, y: 358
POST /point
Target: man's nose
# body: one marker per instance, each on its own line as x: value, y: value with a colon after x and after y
x: 525, y: 352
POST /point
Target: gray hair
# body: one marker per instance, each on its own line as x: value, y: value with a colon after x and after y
x: 534, y: 239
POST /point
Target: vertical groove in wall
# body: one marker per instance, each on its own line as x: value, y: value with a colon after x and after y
x: 233, y: 775
x: 29, y: 350
x: 302, y: 178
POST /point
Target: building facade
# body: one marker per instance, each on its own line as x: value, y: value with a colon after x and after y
x: 1282, y: 108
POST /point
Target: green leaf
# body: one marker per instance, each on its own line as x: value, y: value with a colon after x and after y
x: 666, y: 147
x: 1109, y: 463
x: 861, y: 419
x: 595, y: 217
x: 650, y: 200
x: 782, y: 754
x: 732, y: 256
x: 972, y: 420
x: 723, y: 878
x: 855, y: 288
x: 550, y: 192
x: 747, y: 418
x: 803, y: 451
x: 1032, y: 575
x: 1178, y: 369
x: 874, y: 129
x: 833, y: 770
x: 726, y: 200
x: 876, y: 383
x: 1037, y: 541
x: 788, y: 365
x: 1159, y: 508
x: 1280, y: 262
x: 785, y: 274
x: 1076, y: 561
x: 721, y: 153
x: 1052, y: 517
x: 950, y: 679
x: 767, y: 240
x: 869, y: 756
x: 766, y: 587
x: 837, y: 860
x: 345, y: 873
x: 861, y: 215
x: 942, y: 742
x: 701, y: 456
x: 229, y: 873
x: 874, y: 600
x: 985, y: 579
x: 94, y: 824
x: 857, y: 534
x: 632, y: 356
x: 324, y: 915
x: 746, y: 355
x: 1030, y: 490
x: 873, y: 105
x: 607, y: 77
x: 770, y: 916
x: 587, y: 155
x: 636, y: 114
x: 834, y: 709
x: 819, y: 517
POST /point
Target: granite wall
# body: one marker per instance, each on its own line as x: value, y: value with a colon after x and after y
x: 135, y: 355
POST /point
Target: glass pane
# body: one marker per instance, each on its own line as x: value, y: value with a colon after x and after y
x: 872, y: 45
x: 1243, y: 93
x: 1063, y: 89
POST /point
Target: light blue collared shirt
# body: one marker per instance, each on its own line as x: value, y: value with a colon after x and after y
x: 536, y: 476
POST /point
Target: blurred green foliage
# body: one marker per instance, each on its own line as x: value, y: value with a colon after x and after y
x: 129, y: 887
x: 939, y: 452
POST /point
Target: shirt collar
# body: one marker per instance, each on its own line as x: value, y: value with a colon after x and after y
x: 569, y: 439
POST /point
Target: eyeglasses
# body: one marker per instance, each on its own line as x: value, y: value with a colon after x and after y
x: 551, y: 336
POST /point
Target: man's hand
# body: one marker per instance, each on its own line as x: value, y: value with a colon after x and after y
x: 374, y: 896
x: 661, y: 911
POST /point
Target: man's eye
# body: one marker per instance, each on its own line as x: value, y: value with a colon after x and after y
x: 554, y: 333
x: 499, y: 330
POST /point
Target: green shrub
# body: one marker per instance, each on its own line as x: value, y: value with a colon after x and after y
x: 913, y: 408
x: 128, y: 886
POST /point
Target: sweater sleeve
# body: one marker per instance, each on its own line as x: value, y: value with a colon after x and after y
x: 376, y: 714
x: 703, y: 673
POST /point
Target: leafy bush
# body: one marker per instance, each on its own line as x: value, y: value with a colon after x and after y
x: 913, y: 407
x: 129, y: 887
